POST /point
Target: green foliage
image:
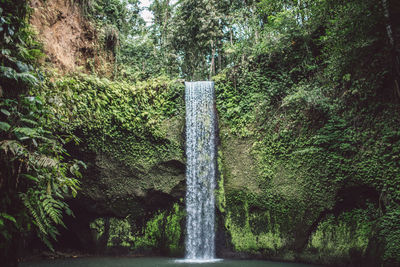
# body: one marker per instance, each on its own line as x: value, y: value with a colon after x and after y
x: 36, y: 173
x: 124, y: 15
x: 302, y: 86
x: 248, y: 230
x: 318, y: 124
x: 162, y: 233
x: 345, y: 41
x: 119, y: 233
x: 35, y: 167
x: 391, y: 233
x: 121, y: 119
x: 140, y: 60
x: 220, y: 191
x: 348, y: 234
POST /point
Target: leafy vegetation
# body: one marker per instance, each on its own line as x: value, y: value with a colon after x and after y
x: 308, y: 101
x: 121, y: 119
x: 317, y: 122
x: 37, y: 173
x: 162, y: 233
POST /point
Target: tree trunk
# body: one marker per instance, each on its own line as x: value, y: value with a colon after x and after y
x: 103, y: 240
x: 219, y: 60
x: 9, y: 256
x: 165, y: 22
x: 395, y: 55
x: 212, y: 66
x: 388, y: 25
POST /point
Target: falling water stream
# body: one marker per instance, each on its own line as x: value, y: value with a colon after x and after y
x: 200, y: 171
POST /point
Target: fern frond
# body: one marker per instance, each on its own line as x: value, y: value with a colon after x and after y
x: 47, y: 242
x: 15, y: 147
x: 53, y: 208
x: 37, y: 219
x: 42, y: 161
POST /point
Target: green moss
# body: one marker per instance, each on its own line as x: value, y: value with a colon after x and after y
x: 288, y: 157
x: 238, y: 162
x: 344, y: 237
x: 245, y: 239
x: 220, y: 192
x: 161, y: 233
x: 132, y: 128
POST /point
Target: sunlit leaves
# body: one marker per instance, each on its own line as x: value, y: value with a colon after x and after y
x: 4, y: 126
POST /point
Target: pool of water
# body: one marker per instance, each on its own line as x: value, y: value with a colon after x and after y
x: 154, y: 262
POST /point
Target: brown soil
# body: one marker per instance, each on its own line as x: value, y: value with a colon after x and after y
x: 69, y: 40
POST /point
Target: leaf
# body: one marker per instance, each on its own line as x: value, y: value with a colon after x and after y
x: 27, y: 78
x: 22, y: 66
x: 4, y: 126
x: 11, y: 145
x: 23, y: 132
x: 8, y: 217
x: 48, y: 188
x: 10, y: 31
x: 43, y: 161
x: 29, y: 121
x: 68, y: 211
x: 12, y: 74
x: 5, y: 112
x: 33, y: 178
x: 34, y: 142
x: 7, y: 72
x: 5, y: 52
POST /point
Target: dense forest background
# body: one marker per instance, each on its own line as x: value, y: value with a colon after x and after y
x: 307, y: 94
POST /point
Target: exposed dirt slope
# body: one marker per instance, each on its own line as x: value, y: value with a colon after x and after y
x: 69, y: 40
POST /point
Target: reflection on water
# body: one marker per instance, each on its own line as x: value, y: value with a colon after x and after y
x: 154, y: 262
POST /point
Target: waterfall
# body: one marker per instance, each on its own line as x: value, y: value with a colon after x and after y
x: 200, y: 170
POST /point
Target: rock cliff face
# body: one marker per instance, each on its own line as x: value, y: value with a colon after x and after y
x: 132, y: 143
x: 133, y: 189
x: 116, y: 183
x: 112, y: 188
x: 119, y: 190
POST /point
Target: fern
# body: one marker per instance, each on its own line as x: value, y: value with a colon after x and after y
x: 52, y: 208
x: 47, y: 213
x: 43, y: 161
x: 12, y: 146
x: 47, y: 242
x: 33, y: 168
x: 30, y: 206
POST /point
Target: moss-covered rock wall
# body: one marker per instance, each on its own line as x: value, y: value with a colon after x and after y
x: 130, y: 137
x: 294, y: 184
x: 305, y: 181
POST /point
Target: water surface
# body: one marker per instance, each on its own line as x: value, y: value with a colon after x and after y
x: 153, y: 262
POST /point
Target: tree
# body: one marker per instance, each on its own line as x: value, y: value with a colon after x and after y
x: 197, y: 28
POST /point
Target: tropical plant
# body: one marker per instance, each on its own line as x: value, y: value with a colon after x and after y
x: 36, y: 172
